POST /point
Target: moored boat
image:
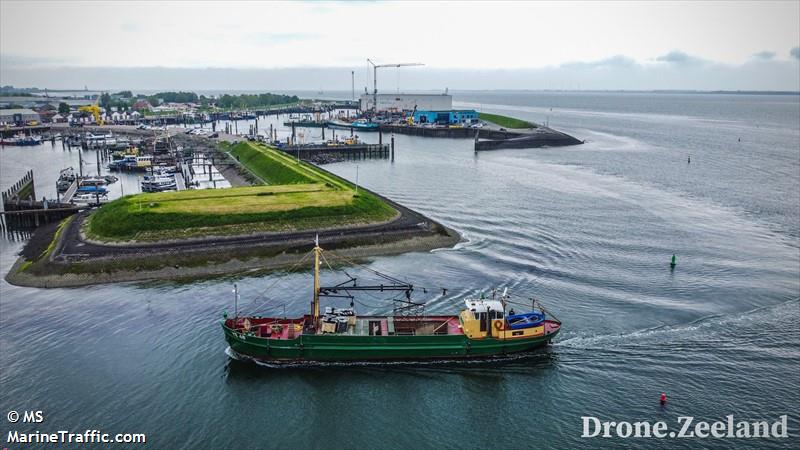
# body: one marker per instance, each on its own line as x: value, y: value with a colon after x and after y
x: 361, y: 124
x: 65, y: 179
x: 131, y: 163
x: 92, y: 189
x: 159, y: 182
x: 484, y: 328
x: 90, y: 199
x: 22, y: 140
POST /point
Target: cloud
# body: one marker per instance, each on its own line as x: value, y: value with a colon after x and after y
x: 765, y: 55
x: 795, y: 52
x: 682, y: 58
x: 614, y: 61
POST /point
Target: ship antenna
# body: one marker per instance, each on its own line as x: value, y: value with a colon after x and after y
x: 235, y: 302
x: 317, y: 253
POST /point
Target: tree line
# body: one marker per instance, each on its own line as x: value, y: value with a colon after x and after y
x: 252, y: 100
x: 123, y: 100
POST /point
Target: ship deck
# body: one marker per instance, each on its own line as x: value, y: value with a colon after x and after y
x: 285, y: 329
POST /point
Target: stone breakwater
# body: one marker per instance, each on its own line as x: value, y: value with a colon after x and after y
x: 492, y: 139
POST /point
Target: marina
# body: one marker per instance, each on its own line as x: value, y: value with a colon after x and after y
x: 392, y: 225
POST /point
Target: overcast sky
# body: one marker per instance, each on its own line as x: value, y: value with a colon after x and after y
x: 471, y: 45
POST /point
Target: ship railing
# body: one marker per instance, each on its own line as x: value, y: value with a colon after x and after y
x: 542, y: 308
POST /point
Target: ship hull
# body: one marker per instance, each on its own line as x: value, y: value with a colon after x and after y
x: 333, y: 347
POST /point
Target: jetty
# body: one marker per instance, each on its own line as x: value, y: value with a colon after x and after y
x: 21, y: 210
x: 491, y: 139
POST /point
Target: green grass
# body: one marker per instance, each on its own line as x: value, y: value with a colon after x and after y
x: 50, y: 247
x: 298, y: 197
x: 505, y: 121
x: 267, y: 165
x: 52, y: 244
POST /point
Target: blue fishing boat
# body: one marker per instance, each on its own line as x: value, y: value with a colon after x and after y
x: 92, y: 190
x: 360, y: 124
x: 364, y: 124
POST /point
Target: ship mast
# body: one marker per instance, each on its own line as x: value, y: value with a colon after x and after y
x: 315, y: 307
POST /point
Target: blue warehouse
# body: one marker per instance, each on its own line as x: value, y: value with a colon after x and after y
x: 446, y: 117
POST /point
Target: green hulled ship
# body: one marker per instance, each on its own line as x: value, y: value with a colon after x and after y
x: 485, y: 328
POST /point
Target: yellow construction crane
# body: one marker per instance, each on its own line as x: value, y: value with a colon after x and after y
x: 94, y: 110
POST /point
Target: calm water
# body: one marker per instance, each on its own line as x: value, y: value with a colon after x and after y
x: 589, y: 230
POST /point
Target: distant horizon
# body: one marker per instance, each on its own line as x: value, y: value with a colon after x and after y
x: 144, y: 91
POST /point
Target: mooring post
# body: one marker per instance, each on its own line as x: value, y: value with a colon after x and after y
x: 392, y: 147
x: 380, y: 137
x: 323, y: 131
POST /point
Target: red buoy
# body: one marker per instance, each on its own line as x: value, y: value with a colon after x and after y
x: 663, y: 398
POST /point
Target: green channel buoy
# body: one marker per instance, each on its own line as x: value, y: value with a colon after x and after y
x: 674, y: 261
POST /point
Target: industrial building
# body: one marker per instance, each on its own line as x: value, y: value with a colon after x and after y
x: 446, y: 117
x: 18, y: 117
x: 407, y: 102
x: 34, y: 101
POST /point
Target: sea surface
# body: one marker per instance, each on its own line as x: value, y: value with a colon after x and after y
x: 588, y: 230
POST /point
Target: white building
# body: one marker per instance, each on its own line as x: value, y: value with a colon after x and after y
x: 407, y: 102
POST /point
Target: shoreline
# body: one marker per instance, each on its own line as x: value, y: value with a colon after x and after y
x: 231, y: 267
x: 67, y: 259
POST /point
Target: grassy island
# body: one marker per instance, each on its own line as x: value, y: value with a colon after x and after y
x: 295, y: 196
x: 505, y: 121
